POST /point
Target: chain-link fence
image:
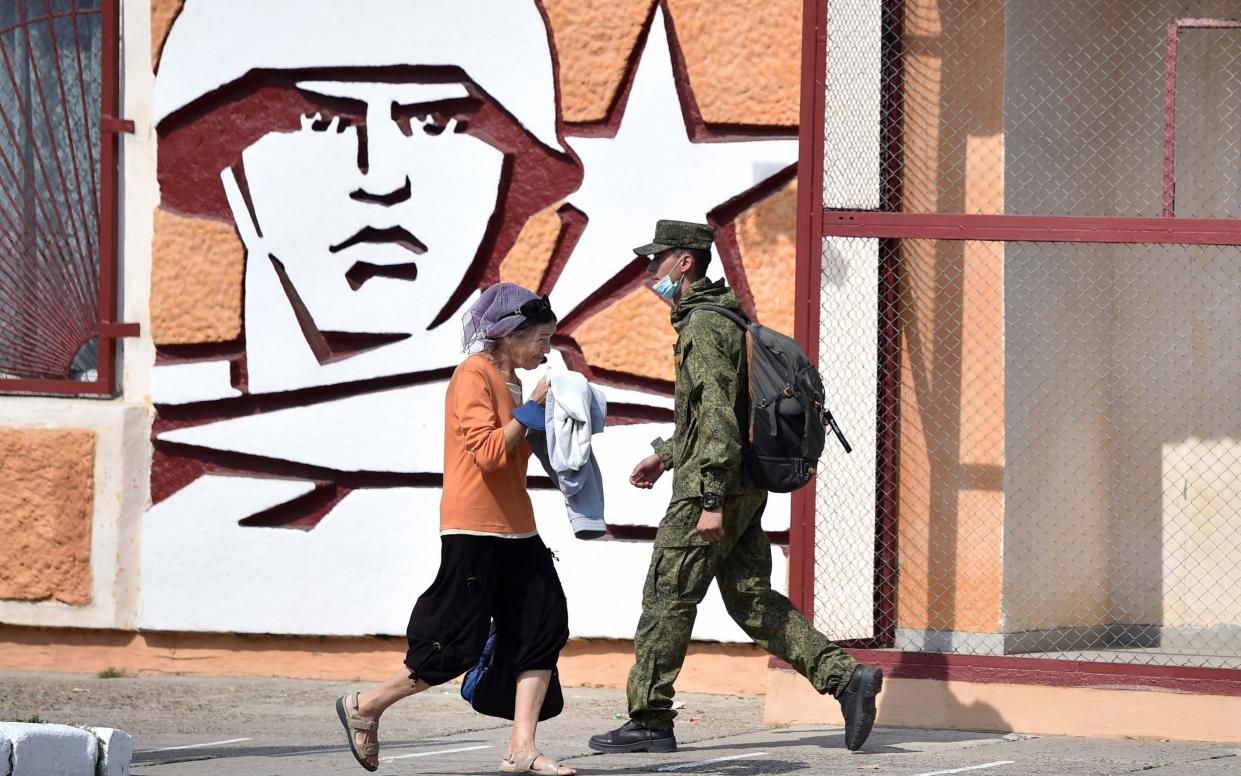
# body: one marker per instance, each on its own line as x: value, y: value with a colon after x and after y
x: 1052, y: 432
x: 1062, y: 107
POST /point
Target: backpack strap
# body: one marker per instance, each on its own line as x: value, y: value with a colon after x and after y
x: 744, y: 323
x: 731, y: 315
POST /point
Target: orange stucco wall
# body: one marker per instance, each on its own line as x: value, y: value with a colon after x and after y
x: 647, y: 355
x: 593, y: 43
x: 743, y: 57
x: 163, y: 13
x: 526, y: 263
x: 952, y: 323
x: 766, y: 235
x: 47, y: 497
x: 196, y: 279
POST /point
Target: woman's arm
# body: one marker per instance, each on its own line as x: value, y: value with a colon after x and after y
x: 514, y: 432
x: 487, y: 441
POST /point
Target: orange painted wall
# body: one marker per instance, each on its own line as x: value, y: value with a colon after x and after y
x: 951, y: 501
x: 196, y: 280
x: 47, y: 499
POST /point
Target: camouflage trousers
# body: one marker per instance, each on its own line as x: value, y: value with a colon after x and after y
x: 682, y: 567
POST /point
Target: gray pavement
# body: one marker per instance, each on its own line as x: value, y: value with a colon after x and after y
x: 224, y: 726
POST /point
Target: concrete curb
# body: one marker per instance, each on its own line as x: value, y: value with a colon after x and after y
x: 116, y: 749
x: 60, y: 750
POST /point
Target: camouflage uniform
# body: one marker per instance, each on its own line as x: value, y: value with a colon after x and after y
x: 705, y: 454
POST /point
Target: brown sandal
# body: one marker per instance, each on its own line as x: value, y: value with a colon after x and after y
x: 354, y: 722
x: 523, y: 762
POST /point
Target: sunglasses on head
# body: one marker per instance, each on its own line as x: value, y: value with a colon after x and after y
x: 533, y: 308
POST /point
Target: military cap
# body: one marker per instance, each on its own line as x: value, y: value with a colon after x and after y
x: 678, y: 234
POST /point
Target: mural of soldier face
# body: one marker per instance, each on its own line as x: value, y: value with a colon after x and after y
x: 382, y: 161
x: 371, y: 213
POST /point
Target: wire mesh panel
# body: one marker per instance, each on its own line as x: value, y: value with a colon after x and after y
x: 1058, y: 448
x: 1057, y: 107
x: 50, y: 189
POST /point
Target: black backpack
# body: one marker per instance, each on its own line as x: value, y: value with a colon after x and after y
x: 788, y: 415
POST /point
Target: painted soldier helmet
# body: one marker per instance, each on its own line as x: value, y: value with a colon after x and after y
x: 504, y: 47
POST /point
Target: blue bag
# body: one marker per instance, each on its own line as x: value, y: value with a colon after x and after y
x: 475, y: 674
x: 490, y: 687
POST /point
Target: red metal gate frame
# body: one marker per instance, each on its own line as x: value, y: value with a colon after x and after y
x: 109, y: 329
x: 814, y: 222
x: 1169, y: 100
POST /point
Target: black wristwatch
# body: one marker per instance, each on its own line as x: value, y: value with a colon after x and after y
x: 710, y: 501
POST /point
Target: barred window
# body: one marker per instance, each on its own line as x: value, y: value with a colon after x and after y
x: 57, y: 203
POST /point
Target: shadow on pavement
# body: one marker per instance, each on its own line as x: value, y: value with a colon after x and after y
x: 224, y: 753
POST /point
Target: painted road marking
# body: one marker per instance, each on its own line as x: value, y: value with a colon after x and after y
x: 968, y: 768
x: 683, y: 766
x: 194, y: 746
x: 438, y: 751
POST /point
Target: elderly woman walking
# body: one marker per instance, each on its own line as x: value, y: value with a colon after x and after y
x: 493, y: 565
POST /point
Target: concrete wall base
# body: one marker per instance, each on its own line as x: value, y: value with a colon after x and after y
x: 1037, y: 709
x: 711, y: 667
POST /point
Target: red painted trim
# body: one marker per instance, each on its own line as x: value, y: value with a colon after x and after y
x: 809, y: 244
x: 1169, y: 123
x: 988, y: 669
x: 117, y: 329
x: 1169, y: 100
x: 109, y: 123
x: 1208, y: 24
x: 108, y: 264
x: 1030, y: 228
x: 58, y: 387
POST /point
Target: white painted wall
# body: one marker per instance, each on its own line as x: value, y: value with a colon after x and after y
x: 848, y: 327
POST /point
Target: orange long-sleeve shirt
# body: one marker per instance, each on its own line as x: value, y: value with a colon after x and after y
x: 484, y: 483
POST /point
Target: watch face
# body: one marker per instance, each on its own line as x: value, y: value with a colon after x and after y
x: 710, y: 501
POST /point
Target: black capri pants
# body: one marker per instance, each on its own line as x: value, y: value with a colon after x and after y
x: 480, y: 579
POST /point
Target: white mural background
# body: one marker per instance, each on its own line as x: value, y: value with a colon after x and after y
x: 360, y: 568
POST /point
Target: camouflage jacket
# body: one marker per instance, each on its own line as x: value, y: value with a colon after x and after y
x: 705, y: 450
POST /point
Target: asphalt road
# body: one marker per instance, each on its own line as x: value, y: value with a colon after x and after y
x: 224, y: 726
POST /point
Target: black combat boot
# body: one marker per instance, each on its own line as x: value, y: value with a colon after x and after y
x: 857, y: 704
x: 634, y: 737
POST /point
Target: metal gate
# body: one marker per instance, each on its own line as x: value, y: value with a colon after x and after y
x: 1023, y: 281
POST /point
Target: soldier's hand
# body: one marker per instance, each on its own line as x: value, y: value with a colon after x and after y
x: 647, y: 472
x: 711, y: 525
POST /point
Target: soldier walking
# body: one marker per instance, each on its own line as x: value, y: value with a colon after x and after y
x: 712, y: 529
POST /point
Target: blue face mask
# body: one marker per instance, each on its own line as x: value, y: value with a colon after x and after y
x: 667, y: 287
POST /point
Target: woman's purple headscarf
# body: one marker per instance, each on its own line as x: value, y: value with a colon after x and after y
x: 493, y: 315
